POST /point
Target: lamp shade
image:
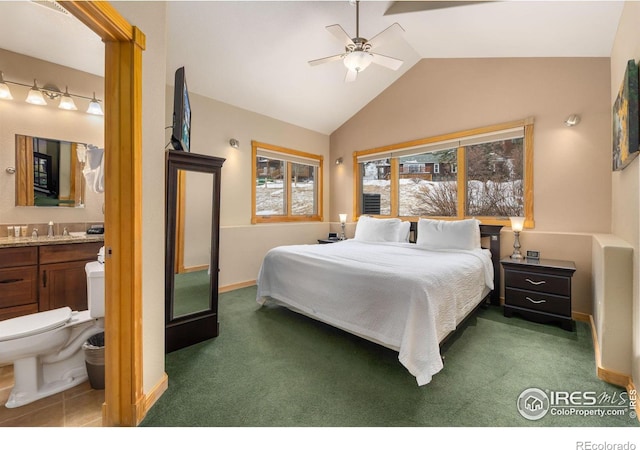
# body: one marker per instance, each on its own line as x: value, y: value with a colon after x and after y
x: 5, y: 92
x: 358, y: 60
x: 66, y: 102
x: 517, y: 223
x: 94, y: 107
x: 35, y: 96
x: 343, y: 218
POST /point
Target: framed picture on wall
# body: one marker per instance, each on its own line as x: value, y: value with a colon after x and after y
x: 625, y: 119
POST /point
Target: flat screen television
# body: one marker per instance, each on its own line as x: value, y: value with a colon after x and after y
x: 181, y: 133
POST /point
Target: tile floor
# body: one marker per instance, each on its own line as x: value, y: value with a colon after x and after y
x: 80, y: 406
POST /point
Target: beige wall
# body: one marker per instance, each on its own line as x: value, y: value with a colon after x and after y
x: 243, y: 245
x: 150, y: 18
x: 626, y: 183
x: 572, y: 176
x: 19, y: 117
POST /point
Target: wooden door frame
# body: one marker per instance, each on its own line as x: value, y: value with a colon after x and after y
x: 124, y: 403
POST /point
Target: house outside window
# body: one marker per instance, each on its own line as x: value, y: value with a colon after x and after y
x: 287, y: 185
x: 421, y: 178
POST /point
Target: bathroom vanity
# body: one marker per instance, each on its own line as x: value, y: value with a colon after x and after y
x: 44, y: 273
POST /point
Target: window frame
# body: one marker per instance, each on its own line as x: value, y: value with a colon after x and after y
x: 461, y: 171
x: 290, y: 156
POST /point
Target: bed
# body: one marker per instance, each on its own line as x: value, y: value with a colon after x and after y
x: 406, y: 286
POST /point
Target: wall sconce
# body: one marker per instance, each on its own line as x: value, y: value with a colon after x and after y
x: 36, y: 96
x: 572, y: 120
x: 517, y: 224
x: 343, y: 221
x: 234, y: 143
x: 339, y: 161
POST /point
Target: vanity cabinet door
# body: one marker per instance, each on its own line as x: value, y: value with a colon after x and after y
x: 62, y: 278
x: 63, y: 284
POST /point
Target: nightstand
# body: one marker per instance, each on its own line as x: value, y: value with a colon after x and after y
x: 327, y: 241
x: 539, y: 290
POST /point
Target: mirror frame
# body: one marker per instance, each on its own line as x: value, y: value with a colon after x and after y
x: 25, y: 182
x: 192, y: 328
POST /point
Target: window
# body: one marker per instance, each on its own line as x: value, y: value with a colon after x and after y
x: 484, y: 173
x: 287, y: 185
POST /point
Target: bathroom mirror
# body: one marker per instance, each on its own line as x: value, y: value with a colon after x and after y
x: 191, y: 252
x: 49, y: 172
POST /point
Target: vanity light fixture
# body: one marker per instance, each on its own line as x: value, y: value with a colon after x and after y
x: 234, y: 143
x: 38, y: 96
x: 35, y: 96
x: 66, y: 102
x: 5, y: 92
x: 572, y: 120
x: 94, y: 107
x: 339, y: 161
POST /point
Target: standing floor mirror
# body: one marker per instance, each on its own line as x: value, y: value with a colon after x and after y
x: 192, y: 248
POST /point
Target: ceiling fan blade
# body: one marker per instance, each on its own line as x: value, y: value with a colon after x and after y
x: 351, y: 76
x: 338, y: 32
x: 407, y: 7
x: 315, y: 62
x: 386, y: 61
x: 387, y: 35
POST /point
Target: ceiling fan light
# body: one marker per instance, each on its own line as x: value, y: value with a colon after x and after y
x: 358, y: 60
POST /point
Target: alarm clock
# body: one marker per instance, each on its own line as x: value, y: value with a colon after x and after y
x: 533, y: 254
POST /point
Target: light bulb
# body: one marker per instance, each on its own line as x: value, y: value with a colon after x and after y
x: 358, y: 60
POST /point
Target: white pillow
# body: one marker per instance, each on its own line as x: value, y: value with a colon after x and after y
x: 372, y: 229
x: 449, y: 235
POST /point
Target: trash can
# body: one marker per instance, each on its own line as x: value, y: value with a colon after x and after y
x: 94, y: 359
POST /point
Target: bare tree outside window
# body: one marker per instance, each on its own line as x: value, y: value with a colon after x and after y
x: 495, y: 172
x: 428, y: 184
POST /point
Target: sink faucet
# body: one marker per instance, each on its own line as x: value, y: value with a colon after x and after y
x: 34, y: 233
x: 50, y: 232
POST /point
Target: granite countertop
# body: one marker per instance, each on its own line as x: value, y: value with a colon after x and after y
x: 44, y: 240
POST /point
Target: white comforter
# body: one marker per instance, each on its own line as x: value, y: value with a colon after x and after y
x: 396, y: 294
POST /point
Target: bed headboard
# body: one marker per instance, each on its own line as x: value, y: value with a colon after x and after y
x: 492, y: 233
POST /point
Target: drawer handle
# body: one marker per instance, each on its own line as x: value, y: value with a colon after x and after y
x: 536, y: 301
x: 12, y: 280
x: 535, y: 283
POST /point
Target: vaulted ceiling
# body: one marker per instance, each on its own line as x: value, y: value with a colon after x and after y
x: 254, y: 54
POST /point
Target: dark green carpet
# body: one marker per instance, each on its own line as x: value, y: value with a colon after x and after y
x: 273, y: 368
x: 191, y: 292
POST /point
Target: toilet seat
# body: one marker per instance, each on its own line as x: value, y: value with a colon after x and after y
x: 36, y: 323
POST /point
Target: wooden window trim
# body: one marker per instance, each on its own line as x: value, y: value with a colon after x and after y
x: 288, y: 217
x: 526, y: 124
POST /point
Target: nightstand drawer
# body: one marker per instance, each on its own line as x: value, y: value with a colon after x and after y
x: 536, y: 301
x: 540, y: 282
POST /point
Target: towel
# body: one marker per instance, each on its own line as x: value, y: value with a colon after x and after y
x: 94, y: 169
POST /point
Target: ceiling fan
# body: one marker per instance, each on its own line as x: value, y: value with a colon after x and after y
x: 358, y: 53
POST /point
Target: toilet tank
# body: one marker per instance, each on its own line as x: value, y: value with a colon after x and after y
x: 95, y: 288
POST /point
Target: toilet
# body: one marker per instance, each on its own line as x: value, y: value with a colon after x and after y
x: 46, y: 347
